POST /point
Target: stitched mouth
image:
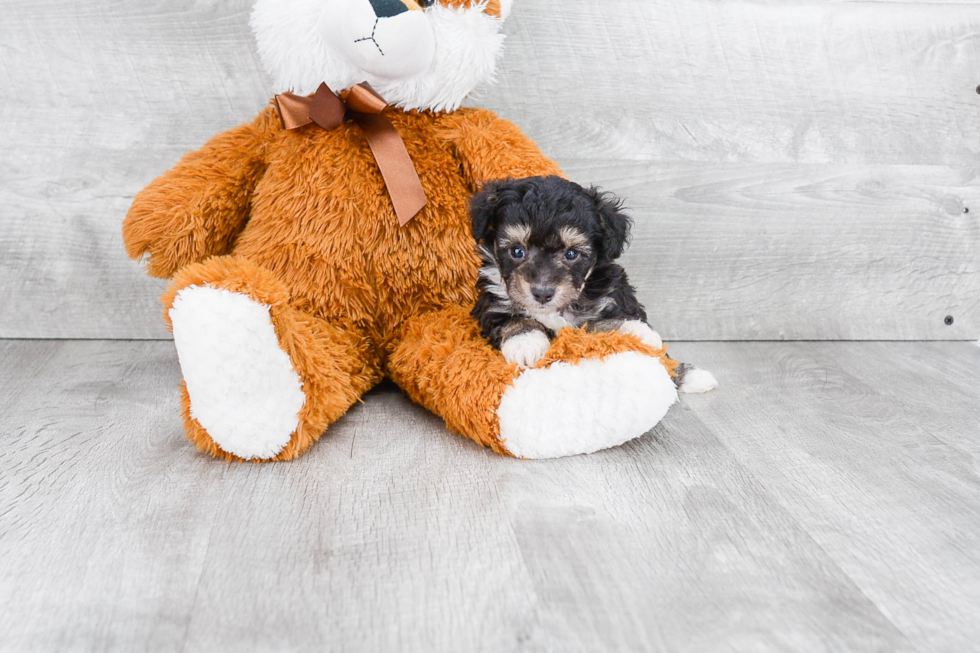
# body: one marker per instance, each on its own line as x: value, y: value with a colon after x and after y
x: 374, y: 30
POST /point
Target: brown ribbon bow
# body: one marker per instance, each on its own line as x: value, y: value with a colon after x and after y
x: 365, y: 106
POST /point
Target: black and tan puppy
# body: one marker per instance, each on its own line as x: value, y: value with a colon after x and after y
x: 549, y: 248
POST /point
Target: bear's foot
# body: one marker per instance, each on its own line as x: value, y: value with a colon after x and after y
x: 590, y: 391
x: 582, y: 407
x: 242, y: 388
x: 262, y: 379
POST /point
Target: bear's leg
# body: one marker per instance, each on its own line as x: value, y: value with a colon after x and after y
x: 590, y: 392
x: 262, y: 379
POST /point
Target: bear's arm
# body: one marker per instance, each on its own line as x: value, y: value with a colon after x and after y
x: 491, y: 148
x: 196, y: 210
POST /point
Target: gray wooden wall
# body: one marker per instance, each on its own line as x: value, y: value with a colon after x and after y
x: 798, y: 170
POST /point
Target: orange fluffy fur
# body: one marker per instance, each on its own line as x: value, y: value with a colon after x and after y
x: 300, y: 221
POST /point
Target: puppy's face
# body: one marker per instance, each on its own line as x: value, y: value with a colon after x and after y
x: 543, y: 266
x: 544, y: 236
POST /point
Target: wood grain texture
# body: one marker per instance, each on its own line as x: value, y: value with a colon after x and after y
x: 802, y: 252
x: 878, y: 464
x: 807, y: 81
x: 97, y: 99
x: 859, y: 121
x: 825, y: 498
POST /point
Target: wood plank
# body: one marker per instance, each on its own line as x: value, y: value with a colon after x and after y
x: 842, y: 436
x: 938, y: 388
x: 809, y: 91
x: 139, y: 543
x: 808, y: 81
x: 665, y: 545
x: 725, y: 528
x: 777, y: 252
x: 117, y: 93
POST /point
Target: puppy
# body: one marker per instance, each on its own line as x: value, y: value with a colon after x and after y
x: 549, y: 248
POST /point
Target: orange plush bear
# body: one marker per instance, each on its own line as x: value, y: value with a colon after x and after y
x: 295, y: 285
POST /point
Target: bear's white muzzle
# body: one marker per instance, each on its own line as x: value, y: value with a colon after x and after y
x: 388, y: 39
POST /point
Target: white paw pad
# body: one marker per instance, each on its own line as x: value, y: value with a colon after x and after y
x: 242, y: 385
x: 642, y: 331
x: 526, y: 349
x: 565, y: 409
x: 697, y: 381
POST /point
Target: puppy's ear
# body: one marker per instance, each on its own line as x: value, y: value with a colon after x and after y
x: 483, y: 208
x: 615, y: 225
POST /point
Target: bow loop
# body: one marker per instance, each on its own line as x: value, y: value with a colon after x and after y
x: 364, y: 99
x: 363, y: 102
x: 294, y: 111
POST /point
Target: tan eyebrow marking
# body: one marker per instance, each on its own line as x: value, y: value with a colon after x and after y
x: 573, y: 238
x: 517, y: 233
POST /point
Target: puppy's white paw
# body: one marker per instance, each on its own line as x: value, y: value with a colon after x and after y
x: 525, y: 349
x: 697, y: 381
x: 642, y: 331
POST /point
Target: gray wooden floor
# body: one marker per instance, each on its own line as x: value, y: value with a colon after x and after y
x: 825, y: 498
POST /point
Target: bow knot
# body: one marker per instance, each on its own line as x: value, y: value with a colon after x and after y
x: 327, y: 110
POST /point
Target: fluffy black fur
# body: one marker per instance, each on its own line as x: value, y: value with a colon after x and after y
x: 592, y: 291
x: 598, y: 289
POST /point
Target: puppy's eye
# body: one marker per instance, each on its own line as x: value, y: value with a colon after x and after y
x: 425, y: 4
x: 518, y: 253
x: 571, y: 255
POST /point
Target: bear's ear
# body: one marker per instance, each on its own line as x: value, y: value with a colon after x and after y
x: 614, y: 224
x: 483, y: 210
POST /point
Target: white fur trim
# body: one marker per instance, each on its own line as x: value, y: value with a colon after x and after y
x: 697, y: 381
x: 506, y: 6
x: 495, y: 282
x: 291, y: 44
x: 393, y: 48
x: 242, y: 385
x: 525, y: 349
x: 566, y: 409
x: 642, y: 331
x: 551, y: 320
x: 300, y: 54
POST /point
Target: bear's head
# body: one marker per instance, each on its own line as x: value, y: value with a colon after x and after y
x: 418, y: 54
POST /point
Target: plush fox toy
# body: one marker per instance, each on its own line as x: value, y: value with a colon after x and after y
x: 327, y: 245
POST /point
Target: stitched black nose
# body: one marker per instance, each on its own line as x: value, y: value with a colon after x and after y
x: 388, y: 8
x: 543, y: 295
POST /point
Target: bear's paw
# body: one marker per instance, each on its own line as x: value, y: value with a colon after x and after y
x: 578, y: 408
x: 242, y: 386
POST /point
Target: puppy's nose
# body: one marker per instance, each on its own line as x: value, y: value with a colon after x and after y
x: 543, y: 295
x: 388, y: 8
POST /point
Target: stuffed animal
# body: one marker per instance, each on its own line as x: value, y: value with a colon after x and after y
x: 327, y: 245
